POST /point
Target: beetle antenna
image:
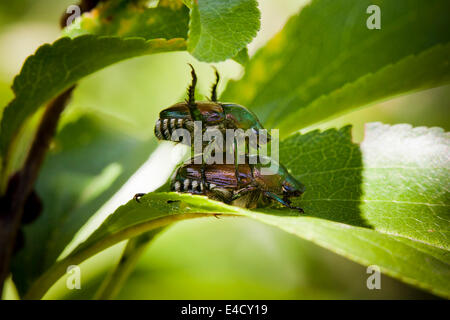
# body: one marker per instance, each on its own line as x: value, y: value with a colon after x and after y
x: 214, y: 87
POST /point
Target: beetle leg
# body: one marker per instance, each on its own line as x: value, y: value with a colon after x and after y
x: 194, y: 112
x: 191, y: 89
x: 236, y: 162
x: 252, y: 194
x: 221, y: 194
x: 286, y: 199
x: 243, y: 192
x: 282, y: 201
x: 214, y: 87
x: 253, y: 198
x: 202, y: 170
x: 137, y: 196
x: 206, y: 152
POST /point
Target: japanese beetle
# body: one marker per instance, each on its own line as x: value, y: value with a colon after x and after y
x: 246, y: 187
x: 211, y: 113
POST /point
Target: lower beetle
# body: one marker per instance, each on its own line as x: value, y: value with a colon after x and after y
x: 250, y: 190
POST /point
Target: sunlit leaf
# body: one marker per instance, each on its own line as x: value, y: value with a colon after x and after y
x: 131, y: 19
x: 219, y: 29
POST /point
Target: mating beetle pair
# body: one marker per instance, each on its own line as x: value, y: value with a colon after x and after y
x: 237, y: 184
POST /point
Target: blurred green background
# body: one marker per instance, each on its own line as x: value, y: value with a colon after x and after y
x: 206, y: 258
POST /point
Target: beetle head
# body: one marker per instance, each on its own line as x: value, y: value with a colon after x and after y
x: 290, y: 186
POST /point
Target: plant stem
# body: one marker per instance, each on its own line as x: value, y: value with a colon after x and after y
x: 81, y: 253
x: 21, y: 184
x: 115, y: 280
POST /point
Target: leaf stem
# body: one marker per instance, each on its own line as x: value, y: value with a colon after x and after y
x: 115, y: 280
x: 42, y: 284
x: 21, y: 184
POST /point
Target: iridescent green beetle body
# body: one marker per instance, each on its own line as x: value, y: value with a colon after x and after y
x: 212, y: 114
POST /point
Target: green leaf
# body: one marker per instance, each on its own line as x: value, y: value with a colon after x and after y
x: 129, y: 19
x: 242, y: 57
x: 90, y: 160
x: 426, y: 70
x: 54, y: 68
x: 219, y: 29
x: 326, y: 61
x: 382, y: 203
